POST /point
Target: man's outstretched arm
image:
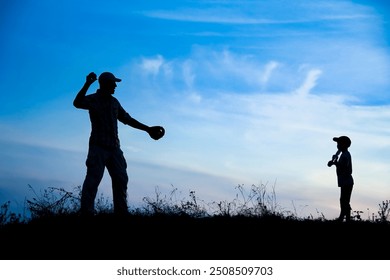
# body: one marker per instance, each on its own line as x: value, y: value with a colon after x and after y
x: 155, y: 132
x: 136, y: 124
x: 78, y: 101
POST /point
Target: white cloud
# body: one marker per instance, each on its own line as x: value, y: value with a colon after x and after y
x: 188, y: 74
x: 269, y: 68
x: 310, y: 82
x: 265, y: 13
x: 152, y: 65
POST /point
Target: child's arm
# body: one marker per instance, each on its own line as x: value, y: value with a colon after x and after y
x: 334, y: 159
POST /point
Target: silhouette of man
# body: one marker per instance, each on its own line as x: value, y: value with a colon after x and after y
x: 344, y: 175
x: 104, y: 146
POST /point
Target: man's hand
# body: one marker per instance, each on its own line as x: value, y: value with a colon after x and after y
x: 91, y: 77
x: 78, y: 101
x: 156, y: 132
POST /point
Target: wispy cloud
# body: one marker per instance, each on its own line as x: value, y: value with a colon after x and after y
x: 152, y: 65
x: 348, y: 67
x: 269, y: 68
x: 269, y: 13
x: 310, y: 82
x: 230, y: 17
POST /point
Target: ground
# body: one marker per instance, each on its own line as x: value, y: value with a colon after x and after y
x: 107, y: 237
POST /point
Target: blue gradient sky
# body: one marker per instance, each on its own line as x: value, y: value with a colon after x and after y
x: 250, y: 93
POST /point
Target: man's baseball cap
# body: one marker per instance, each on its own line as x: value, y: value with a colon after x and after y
x: 343, y: 140
x: 108, y: 76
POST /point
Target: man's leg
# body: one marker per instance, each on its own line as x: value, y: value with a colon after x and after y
x: 116, y: 166
x: 95, y: 169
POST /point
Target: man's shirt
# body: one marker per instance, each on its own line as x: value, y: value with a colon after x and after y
x: 104, y: 113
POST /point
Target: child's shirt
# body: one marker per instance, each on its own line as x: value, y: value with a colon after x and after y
x: 344, y: 169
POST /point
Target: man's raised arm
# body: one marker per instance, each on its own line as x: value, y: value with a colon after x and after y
x: 78, y: 101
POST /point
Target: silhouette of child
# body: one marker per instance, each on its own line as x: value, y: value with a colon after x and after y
x: 344, y: 175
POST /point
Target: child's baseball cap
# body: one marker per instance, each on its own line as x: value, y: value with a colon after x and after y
x: 343, y: 140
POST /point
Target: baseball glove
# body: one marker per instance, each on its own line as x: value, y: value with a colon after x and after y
x: 156, y: 132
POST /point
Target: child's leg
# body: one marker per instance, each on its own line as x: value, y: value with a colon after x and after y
x: 345, y: 197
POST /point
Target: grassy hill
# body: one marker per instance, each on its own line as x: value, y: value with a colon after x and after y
x: 182, y: 237
x: 163, y: 230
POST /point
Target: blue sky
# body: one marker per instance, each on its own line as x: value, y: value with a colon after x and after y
x: 250, y: 93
